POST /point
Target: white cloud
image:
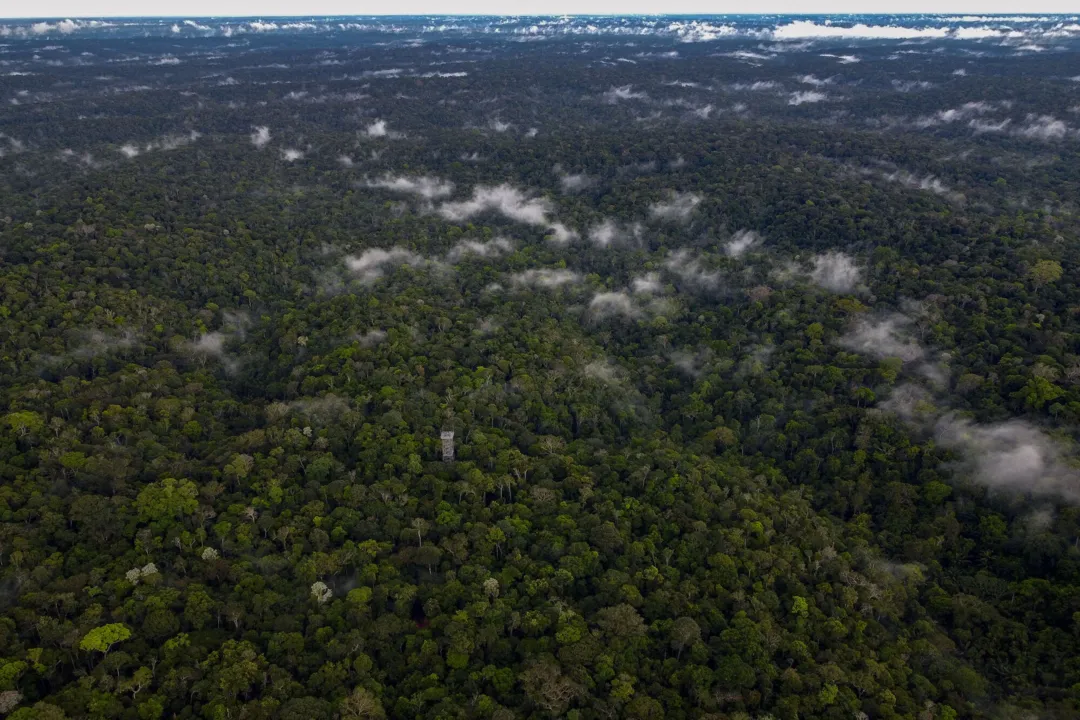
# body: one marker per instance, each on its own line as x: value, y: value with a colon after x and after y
x: 609, y: 233
x: 261, y: 137
x: 807, y: 29
x: 370, y: 265
x: 647, y: 284
x: 291, y: 154
x: 625, y: 92
x: 911, y: 85
x: 835, y: 271
x: 510, y: 202
x: 883, y: 337
x: 928, y: 183
x: 610, y: 304
x: 1043, y: 127
x: 500, y: 126
x: 429, y: 188
x: 571, y: 183
x: 757, y: 86
x: 815, y: 81
x: 987, y: 126
x: 166, y: 142
x: 1012, y: 456
x: 678, y: 206
x: 843, y: 59
x: 377, y: 129
x: 478, y: 248
x: 545, y: 278
x: 691, y: 271
x: 741, y: 242
x: 808, y: 96
x: 371, y: 338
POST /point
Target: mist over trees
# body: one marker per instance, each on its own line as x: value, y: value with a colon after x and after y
x: 760, y: 354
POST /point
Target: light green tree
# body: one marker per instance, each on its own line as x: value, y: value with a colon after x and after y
x: 101, y: 639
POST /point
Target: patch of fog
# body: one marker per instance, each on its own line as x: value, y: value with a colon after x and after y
x: 678, y: 206
x: 835, y: 271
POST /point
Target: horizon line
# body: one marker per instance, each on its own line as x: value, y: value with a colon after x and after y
x: 1056, y: 13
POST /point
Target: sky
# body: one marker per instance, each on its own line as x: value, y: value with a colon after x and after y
x: 272, y: 8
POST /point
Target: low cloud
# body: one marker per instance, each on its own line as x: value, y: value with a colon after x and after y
x: 959, y: 114
x: 372, y: 264
x: 429, y: 188
x: 511, y: 203
x: 572, y: 183
x: 1043, y: 127
x: 815, y: 81
x: 835, y: 271
x: 928, y: 183
x: 742, y: 242
x: 371, y: 338
x: 883, y: 337
x: 478, y: 248
x: 95, y: 342
x: 261, y: 136
x: 164, y: 143
x: 647, y: 284
x: 677, y: 207
x: 378, y: 129
x: 758, y: 86
x: 808, y: 96
x: 1013, y: 456
x: 320, y: 410
x: 988, y: 126
x: 691, y: 270
x: 691, y: 363
x: 625, y: 92
x: 609, y: 233
x: 291, y: 155
x: 603, y: 371
x: 613, y: 304
x: 544, y: 278
x: 911, y: 85
x: 499, y: 126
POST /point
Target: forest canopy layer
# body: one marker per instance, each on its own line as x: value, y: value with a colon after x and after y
x: 759, y: 341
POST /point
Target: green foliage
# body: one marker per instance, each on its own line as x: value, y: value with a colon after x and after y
x: 101, y: 639
x: 688, y: 483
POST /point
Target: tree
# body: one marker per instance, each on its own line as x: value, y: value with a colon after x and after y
x: 101, y: 639
x: 361, y: 704
x: 168, y: 499
x: 1044, y: 272
x: 684, y: 632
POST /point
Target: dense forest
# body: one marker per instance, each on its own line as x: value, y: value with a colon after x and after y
x: 760, y: 351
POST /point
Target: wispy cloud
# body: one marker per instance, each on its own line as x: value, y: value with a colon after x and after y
x: 427, y: 187
x: 1043, y: 127
x: 678, y: 206
x: 742, y: 242
x: 372, y: 264
x: 807, y: 96
x: 625, y: 92
x: 835, y: 271
x: 261, y: 136
x: 509, y: 202
x: 477, y: 248
x: 545, y: 278
x: 882, y: 337
x: 691, y: 270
